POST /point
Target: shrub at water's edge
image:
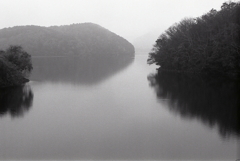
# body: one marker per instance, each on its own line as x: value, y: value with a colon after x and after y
x: 15, y: 64
x: 206, y: 44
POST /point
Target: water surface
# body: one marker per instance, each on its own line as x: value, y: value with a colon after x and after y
x: 119, y: 110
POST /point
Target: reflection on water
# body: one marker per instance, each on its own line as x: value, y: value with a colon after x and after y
x: 15, y: 101
x: 117, y: 119
x: 77, y: 69
x: 214, y: 101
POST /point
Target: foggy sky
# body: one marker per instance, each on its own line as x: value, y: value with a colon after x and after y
x: 127, y: 18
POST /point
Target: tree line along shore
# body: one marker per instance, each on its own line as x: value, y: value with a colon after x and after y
x: 207, y: 44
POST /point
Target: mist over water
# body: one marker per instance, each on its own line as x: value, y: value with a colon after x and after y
x: 117, y: 110
x: 77, y: 69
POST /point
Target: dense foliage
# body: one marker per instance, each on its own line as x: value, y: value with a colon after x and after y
x: 20, y: 58
x: 15, y: 65
x: 206, y: 44
x: 84, y: 39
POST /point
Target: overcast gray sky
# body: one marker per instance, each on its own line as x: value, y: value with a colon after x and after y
x: 127, y: 18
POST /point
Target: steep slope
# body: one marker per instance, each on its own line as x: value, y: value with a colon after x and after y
x: 69, y: 40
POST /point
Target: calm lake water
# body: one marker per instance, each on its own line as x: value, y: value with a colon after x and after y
x: 118, y: 110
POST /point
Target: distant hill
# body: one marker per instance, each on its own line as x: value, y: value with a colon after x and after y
x: 145, y: 42
x: 69, y: 40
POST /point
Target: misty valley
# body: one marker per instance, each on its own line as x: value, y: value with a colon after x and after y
x: 82, y: 92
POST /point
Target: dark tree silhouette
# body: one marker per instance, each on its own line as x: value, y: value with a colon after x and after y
x: 15, y: 66
x: 17, y: 56
x: 206, y: 44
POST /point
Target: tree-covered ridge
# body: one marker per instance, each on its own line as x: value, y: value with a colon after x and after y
x: 15, y: 65
x: 206, y: 44
x: 69, y: 40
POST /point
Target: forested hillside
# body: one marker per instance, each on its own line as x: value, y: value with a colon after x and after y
x: 206, y: 44
x: 70, y: 40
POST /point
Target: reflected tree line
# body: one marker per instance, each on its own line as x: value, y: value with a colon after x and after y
x: 90, y: 70
x: 214, y: 101
x: 15, y: 101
